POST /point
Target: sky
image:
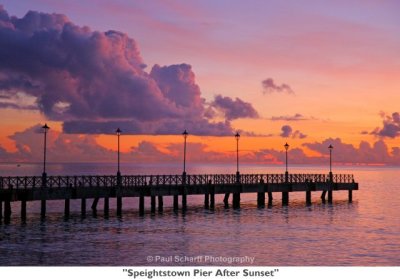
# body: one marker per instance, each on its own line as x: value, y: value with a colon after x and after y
x: 309, y: 73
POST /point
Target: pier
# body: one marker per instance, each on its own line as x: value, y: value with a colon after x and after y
x: 156, y: 187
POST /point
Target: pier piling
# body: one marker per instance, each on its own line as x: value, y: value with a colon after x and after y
x: 153, y: 204
x: 119, y: 206
x: 94, y: 204
x: 106, y: 206
x: 330, y: 197
x: 350, y: 196
x: 7, y: 210
x: 270, y: 199
x: 212, y: 201
x: 261, y: 199
x: 308, y: 198
x: 323, y: 196
x: 66, y: 208
x: 23, y: 210
x: 43, y: 209
x: 141, y: 205
x: 236, y: 201
x: 176, y: 203
x: 226, y: 200
x: 285, y: 198
x: 83, y: 207
x: 184, y: 202
x: 207, y: 201
x: 160, y: 204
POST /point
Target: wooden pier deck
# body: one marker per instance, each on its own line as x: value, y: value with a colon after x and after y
x: 43, y: 188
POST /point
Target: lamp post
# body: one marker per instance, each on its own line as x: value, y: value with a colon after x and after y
x: 118, y: 131
x: 45, y: 128
x: 286, y: 172
x: 330, y: 161
x: 237, y: 137
x: 185, y: 135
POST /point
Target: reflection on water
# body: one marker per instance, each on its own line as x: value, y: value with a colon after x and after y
x: 365, y: 232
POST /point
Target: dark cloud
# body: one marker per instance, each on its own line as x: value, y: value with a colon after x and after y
x: 391, y: 126
x: 95, y: 81
x: 287, y: 131
x: 269, y: 86
x: 296, y: 117
x: 234, y: 108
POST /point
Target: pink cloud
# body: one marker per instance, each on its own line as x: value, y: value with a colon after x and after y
x: 95, y: 81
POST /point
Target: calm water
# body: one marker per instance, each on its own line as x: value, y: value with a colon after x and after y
x: 363, y: 233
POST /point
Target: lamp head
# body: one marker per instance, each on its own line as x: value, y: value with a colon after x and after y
x: 45, y: 127
x: 286, y: 146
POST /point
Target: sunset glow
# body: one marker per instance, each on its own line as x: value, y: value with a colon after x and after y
x: 303, y: 72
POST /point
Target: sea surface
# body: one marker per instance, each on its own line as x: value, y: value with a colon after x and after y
x: 365, y: 232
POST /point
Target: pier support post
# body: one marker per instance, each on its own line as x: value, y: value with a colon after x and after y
x: 66, y: 208
x: 212, y: 201
x: 270, y: 199
x: 330, y: 198
x: 153, y: 204
x: 184, y: 202
x: 7, y: 210
x: 141, y: 205
x: 236, y: 201
x: 94, y: 204
x: 261, y: 199
x: 226, y: 200
x: 160, y: 204
x: 23, y: 210
x: 207, y: 201
x: 119, y: 206
x: 1, y: 210
x: 323, y: 196
x: 43, y: 209
x: 350, y: 196
x: 176, y: 203
x: 106, y: 206
x: 83, y: 207
x: 308, y: 198
x: 285, y: 198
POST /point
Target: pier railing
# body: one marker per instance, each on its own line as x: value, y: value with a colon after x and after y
x: 25, y: 182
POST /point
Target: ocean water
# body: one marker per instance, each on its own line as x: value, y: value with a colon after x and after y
x: 365, y: 232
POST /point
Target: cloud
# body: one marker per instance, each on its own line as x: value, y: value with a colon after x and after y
x: 287, y: 132
x: 296, y: 117
x: 234, y: 109
x: 95, y: 81
x: 63, y: 147
x: 391, y: 126
x: 269, y: 86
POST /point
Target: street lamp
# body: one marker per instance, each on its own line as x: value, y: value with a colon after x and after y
x: 286, y: 173
x: 237, y: 137
x: 118, y: 131
x: 330, y: 161
x: 45, y: 128
x: 185, y: 135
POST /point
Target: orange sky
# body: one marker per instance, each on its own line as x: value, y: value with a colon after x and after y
x: 340, y: 60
